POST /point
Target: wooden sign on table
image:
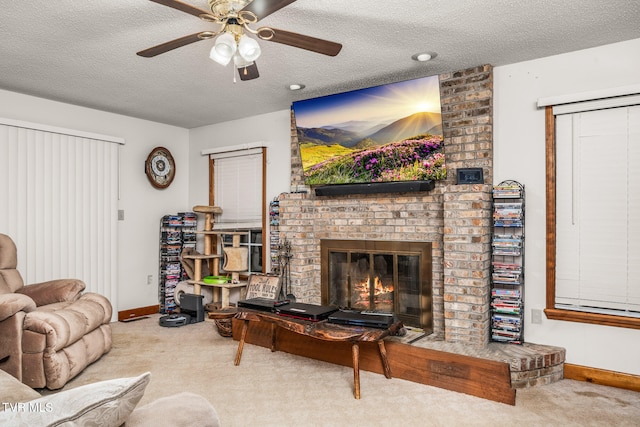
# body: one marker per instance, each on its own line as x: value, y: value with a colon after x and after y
x: 263, y: 286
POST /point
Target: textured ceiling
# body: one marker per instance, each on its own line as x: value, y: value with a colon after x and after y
x: 84, y: 52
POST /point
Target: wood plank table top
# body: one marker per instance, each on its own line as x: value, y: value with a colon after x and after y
x: 321, y: 330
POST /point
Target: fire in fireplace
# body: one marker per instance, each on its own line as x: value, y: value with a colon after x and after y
x: 381, y: 276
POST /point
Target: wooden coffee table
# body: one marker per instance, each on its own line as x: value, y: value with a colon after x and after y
x: 322, y: 330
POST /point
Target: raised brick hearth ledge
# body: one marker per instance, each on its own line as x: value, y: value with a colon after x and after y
x: 531, y: 364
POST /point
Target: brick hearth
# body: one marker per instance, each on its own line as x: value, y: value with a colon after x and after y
x: 530, y: 364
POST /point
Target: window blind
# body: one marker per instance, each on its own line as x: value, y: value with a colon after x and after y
x: 238, y: 188
x: 598, y: 211
x: 59, y: 197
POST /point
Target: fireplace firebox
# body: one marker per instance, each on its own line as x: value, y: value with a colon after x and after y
x: 383, y: 276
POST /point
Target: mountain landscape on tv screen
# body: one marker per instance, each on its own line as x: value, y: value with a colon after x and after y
x: 379, y: 134
x: 363, y: 134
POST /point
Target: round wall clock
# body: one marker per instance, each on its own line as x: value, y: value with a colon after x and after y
x: 160, y: 167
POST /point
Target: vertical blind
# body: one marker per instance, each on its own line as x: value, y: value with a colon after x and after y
x: 238, y: 188
x: 59, y: 195
x: 598, y: 210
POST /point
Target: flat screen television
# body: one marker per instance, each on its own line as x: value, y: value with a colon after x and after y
x: 381, y: 134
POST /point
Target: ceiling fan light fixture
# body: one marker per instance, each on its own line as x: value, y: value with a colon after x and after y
x: 220, y: 59
x: 224, y: 49
x: 248, y: 48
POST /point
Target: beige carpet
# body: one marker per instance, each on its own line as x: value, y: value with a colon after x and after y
x: 280, y: 389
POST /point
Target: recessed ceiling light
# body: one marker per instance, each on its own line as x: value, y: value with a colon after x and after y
x: 296, y: 86
x: 424, y: 56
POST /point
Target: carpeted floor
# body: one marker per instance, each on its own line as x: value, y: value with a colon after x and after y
x: 280, y: 389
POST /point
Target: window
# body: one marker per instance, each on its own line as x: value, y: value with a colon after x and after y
x: 238, y: 187
x: 593, y: 214
x: 253, y: 240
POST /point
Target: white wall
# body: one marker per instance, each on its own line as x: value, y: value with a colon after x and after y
x: 138, y: 234
x: 273, y: 129
x: 519, y: 153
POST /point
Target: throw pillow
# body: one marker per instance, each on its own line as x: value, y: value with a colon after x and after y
x: 106, y: 403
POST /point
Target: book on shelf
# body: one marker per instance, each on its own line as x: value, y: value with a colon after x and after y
x: 507, y: 215
x: 497, y: 265
x: 502, y: 292
x: 507, y: 280
x: 507, y: 190
x: 508, y: 223
x: 507, y: 251
x: 505, y: 324
x: 504, y: 330
x: 189, y: 219
x: 507, y: 193
x: 507, y: 211
x: 508, y: 331
x: 508, y: 206
x: 508, y: 239
x: 504, y: 336
x: 506, y: 307
x: 506, y: 274
x: 507, y: 319
x: 506, y: 302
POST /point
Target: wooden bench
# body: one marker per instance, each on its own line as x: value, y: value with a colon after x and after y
x: 325, y: 331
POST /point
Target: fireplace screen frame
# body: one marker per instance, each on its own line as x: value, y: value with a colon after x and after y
x: 382, y: 247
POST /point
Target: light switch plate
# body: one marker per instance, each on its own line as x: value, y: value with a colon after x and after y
x: 536, y: 315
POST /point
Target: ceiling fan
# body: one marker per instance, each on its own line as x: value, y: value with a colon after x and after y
x: 232, y: 42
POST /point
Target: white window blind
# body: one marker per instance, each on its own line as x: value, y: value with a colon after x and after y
x: 59, y: 197
x: 598, y: 211
x: 238, y: 188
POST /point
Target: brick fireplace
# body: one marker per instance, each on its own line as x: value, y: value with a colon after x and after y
x: 453, y: 219
x: 379, y: 275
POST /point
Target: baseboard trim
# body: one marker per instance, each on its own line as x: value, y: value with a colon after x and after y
x: 602, y: 377
x: 137, y: 312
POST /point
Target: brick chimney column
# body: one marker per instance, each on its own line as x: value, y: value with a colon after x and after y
x: 467, y: 263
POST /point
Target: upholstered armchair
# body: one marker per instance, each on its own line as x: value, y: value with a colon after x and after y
x: 51, y: 331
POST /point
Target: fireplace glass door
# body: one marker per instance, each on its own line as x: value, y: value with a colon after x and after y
x: 390, y: 277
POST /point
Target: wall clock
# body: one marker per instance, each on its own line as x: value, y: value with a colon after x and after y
x: 160, y: 167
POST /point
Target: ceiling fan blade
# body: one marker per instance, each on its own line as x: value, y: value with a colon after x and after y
x: 166, y: 47
x: 249, y: 72
x: 184, y: 7
x: 313, y: 44
x: 264, y: 8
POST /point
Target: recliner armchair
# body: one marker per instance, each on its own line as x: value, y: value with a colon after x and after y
x: 50, y: 331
